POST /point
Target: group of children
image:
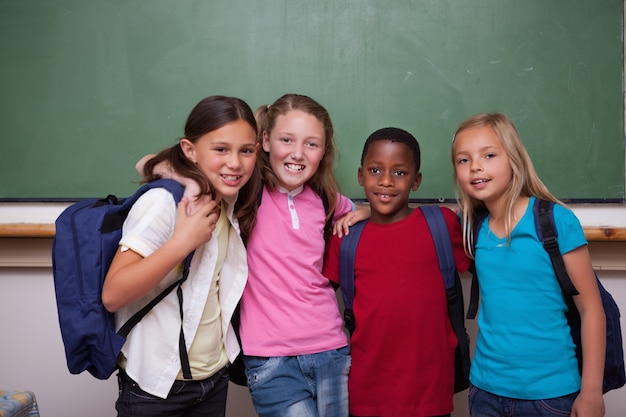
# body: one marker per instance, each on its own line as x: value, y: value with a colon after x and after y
x: 260, y: 196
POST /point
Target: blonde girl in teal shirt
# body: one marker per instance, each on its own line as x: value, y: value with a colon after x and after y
x: 524, y: 363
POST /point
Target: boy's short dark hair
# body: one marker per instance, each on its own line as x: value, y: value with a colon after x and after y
x: 395, y: 134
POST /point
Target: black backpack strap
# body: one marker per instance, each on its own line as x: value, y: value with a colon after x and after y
x: 329, y: 220
x: 347, y: 253
x: 136, y: 318
x: 472, y: 308
x: 182, y: 346
x: 543, y: 211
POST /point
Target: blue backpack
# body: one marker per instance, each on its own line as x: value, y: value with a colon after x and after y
x: 614, y: 373
x: 87, y: 237
x: 454, y: 291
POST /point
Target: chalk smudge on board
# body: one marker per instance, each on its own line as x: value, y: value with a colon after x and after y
x: 442, y: 75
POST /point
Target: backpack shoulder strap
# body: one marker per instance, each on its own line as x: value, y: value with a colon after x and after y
x: 329, y: 220
x: 472, y: 308
x: 441, y: 237
x: 347, y: 253
x: 543, y: 211
x: 454, y: 293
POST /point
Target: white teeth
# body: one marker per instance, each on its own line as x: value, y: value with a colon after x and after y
x: 294, y: 167
x: 478, y: 181
x: 230, y: 177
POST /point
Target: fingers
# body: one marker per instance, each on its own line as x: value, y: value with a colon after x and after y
x: 195, y: 229
x: 342, y: 226
x: 204, y: 204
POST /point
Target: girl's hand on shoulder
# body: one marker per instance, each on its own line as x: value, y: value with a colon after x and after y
x: 193, y: 230
x: 192, y: 194
x: 342, y: 225
x: 588, y: 405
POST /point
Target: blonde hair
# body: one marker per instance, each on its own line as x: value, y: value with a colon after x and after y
x: 323, y: 182
x: 524, y: 178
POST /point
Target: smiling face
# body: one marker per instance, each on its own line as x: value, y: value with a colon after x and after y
x: 388, y: 175
x: 226, y: 156
x: 482, y: 166
x: 296, y: 146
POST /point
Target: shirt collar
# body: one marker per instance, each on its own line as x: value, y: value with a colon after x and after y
x: 293, y: 192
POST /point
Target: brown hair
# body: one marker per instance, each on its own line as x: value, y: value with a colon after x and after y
x: 210, y: 114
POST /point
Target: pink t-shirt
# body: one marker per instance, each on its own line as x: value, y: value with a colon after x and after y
x: 288, y: 307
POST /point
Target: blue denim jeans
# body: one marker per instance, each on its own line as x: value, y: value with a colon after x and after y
x: 314, y: 385
x: 485, y: 404
x: 444, y: 415
x: 186, y: 398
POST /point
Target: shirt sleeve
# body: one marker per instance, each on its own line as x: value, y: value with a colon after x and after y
x: 150, y: 222
x: 569, y: 230
x: 343, y: 207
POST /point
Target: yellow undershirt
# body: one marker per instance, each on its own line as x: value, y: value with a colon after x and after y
x: 207, y: 354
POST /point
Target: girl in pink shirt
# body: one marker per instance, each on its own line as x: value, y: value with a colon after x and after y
x: 296, y: 354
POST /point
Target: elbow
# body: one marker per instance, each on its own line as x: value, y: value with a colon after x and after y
x: 109, y: 302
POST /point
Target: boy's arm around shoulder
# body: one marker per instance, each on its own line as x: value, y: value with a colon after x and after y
x: 348, y: 213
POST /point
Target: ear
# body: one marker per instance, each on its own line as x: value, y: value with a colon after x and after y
x: 360, y: 176
x: 266, y: 141
x: 189, y: 149
x: 417, y: 182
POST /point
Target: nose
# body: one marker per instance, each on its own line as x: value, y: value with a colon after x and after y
x: 234, y: 161
x: 386, y: 179
x: 475, y: 165
x: 297, y: 152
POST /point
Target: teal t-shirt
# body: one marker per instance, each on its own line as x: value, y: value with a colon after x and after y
x: 524, y: 349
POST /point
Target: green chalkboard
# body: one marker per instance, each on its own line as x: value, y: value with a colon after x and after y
x: 88, y: 87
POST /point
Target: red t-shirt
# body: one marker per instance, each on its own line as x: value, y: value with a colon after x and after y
x: 403, y: 344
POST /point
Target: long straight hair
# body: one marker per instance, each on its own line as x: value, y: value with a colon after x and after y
x: 524, y: 178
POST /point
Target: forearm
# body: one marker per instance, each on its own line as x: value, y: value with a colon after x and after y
x: 131, y: 276
x: 593, y: 331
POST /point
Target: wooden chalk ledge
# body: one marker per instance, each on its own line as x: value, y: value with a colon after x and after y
x: 35, y: 230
